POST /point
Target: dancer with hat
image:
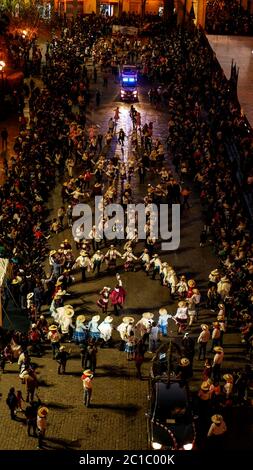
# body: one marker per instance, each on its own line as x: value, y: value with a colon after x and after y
x: 105, y: 329
x: 87, y: 386
x: 42, y: 424
x: 124, y: 330
x: 66, y: 323
x: 228, y: 387
x: 184, y: 369
x: 54, y: 337
x: 81, y: 331
x: 93, y: 330
x: 181, y: 316
x: 143, y: 326
x: 117, y: 297
x: 216, y: 432
x: 163, y: 321
x: 62, y: 357
x: 103, y: 301
x: 84, y: 262
x: 217, y: 361
x: 215, y: 335
x: 203, y: 340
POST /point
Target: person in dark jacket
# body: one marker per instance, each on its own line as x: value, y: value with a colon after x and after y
x: 12, y: 402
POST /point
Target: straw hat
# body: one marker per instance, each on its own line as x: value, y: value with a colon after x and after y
x: 221, y: 306
x: 87, y: 373
x: 215, y: 272
x: 69, y: 313
x: 58, y: 283
x: 128, y: 320
x: 17, y: 280
x: 184, y: 361
x: 205, y: 386
x: 60, y: 293
x: 204, y: 326
x: 108, y: 319
x: 30, y: 295
x: 96, y: 318
x: 191, y: 283
x: 195, y: 291
x: 42, y: 411
x: 148, y: 315
x: 182, y: 303
x: 163, y: 311
x: 68, y: 308
x: 62, y: 348
x: 52, y: 328
x: 52, y: 252
x: 83, y: 253
x: 218, y: 349
x: 81, y: 318
x: 217, y: 419
x: 216, y: 323
x: 183, y: 278
x: 228, y: 378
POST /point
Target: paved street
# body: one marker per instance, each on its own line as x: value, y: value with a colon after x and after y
x: 116, y: 419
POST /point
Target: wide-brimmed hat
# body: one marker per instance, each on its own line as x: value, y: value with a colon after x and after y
x: 30, y: 295
x: 221, y: 305
x: 42, y: 411
x: 96, y: 318
x: 62, y: 348
x: 148, y: 315
x: 204, y: 326
x: 228, y: 377
x: 218, y: 349
x: 83, y: 253
x: 163, y: 311
x: 81, y: 318
x: 128, y: 320
x: 191, y: 283
x: 58, y: 283
x: 205, y: 386
x: 216, y: 323
x: 17, y: 280
x: 184, y: 361
x: 108, y: 319
x: 60, y: 293
x: 215, y: 272
x: 217, y: 419
x: 53, y: 328
x: 87, y: 372
x: 52, y: 252
x: 225, y: 278
x: 182, y: 303
x: 69, y: 313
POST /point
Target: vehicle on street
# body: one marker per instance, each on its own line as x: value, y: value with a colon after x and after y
x: 128, y: 83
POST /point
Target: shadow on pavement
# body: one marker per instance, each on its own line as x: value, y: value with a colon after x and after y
x: 128, y: 410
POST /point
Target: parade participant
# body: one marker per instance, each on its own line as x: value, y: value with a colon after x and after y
x: 203, y: 340
x: 103, y: 301
x: 181, y: 316
x: 191, y: 310
x: 90, y: 356
x: 191, y: 284
x: 153, y: 337
x: 145, y: 260
x: 214, y: 277
x: 172, y: 281
x: 42, y: 424
x: 130, y: 345
x: 93, y: 329
x: 81, y: 331
x: 96, y: 261
x: 182, y: 287
x: 117, y: 297
x: 143, y: 326
x: 87, y: 386
x: 61, y: 357
x: 184, y: 369
x: 122, y: 328
x: 207, y: 371
x: 163, y: 321
x: 217, y: 361
x: 217, y: 432
x: 216, y: 334
x: 221, y: 321
x: 130, y: 258
x: 224, y: 287
x: 66, y: 323
x: 105, y: 329
x: 84, y: 262
x: 54, y: 337
x: 111, y: 257
x: 228, y: 387
x: 156, y: 263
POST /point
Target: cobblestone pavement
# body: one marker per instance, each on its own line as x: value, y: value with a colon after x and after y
x: 116, y: 419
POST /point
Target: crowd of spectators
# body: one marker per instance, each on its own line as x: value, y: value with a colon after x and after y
x: 228, y: 17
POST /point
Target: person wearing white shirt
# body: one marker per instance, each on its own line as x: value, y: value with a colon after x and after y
x: 84, y: 262
x: 217, y: 432
x: 145, y: 260
x: 203, y: 340
x: 217, y: 361
x: 157, y: 265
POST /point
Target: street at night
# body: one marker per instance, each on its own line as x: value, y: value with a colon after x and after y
x: 100, y: 332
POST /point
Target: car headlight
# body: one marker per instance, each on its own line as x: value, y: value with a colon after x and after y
x: 188, y: 446
x: 156, y: 445
x: 135, y: 92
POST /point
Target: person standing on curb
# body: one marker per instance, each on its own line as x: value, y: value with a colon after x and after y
x: 87, y: 386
